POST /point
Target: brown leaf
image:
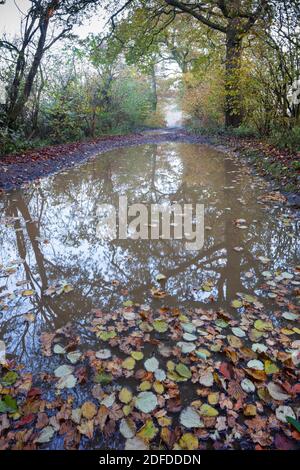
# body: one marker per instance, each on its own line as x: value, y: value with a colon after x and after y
x: 89, y: 410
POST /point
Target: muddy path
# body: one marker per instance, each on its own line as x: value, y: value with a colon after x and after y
x: 17, y: 170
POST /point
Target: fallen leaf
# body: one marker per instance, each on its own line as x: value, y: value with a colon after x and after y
x: 190, y: 418
x: 88, y: 410
x: 146, y: 402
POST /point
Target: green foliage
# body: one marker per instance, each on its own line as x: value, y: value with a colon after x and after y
x: 12, y: 141
x: 244, y: 132
x: 285, y: 139
x: 131, y: 103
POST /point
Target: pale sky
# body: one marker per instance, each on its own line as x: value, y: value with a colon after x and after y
x: 10, y: 17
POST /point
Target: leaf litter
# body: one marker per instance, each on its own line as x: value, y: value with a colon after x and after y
x: 242, y: 377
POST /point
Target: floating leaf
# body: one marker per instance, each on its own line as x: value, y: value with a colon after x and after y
x: 255, y: 335
x: 160, y: 375
x: 207, y: 379
x: 203, y: 353
x: 136, y: 443
x: 207, y: 286
x: 128, y: 303
x: 158, y: 387
x: 238, y: 332
x: 282, y: 412
x: 145, y: 385
x: 58, y: 349
x: 248, y: 386
x: 158, y: 293
x: 66, y: 288
x: 148, y: 431
x: 160, y: 325
x: 189, y: 337
x: 234, y: 342
x: 67, y: 381
x: 258, y: 347
x: 208, y: 410
x: 131, y: 315
x: 189, y: 442
x: 87, y: 428
x: 9, y: 379
x: 189, y: 418
x: 8, y: 405
x: 88, y: 410
x: 267, y: 274
x: 74, y: 356
x: 64, y: 370
x: 270, y: 367
x: 146, y: 327
x: 221, y: 323
x: 213, y: 398
x: 287, y: 275
x: 127, y: 428
x: 46, y: 435
x: 263, y: 325
x: 103, y: 378
x: 28, y: 293
x: 103, y: 354
x: 186, y: 348
x: 257, y: 374
x: 286, y: 331
x: 128, y: 363
x: 160, y: 277
x: 188, y: 327
x: 255, y: 364
x: 146, y: 402
x: 152, y: 364
x: 106, y: 335
x: 290, y: 316
x: 125, y: 395
x: 109, y: 400
x: 236, y: 303
x: 137, y: 355
x: 276, y: 392
x: 183, y: 370
x: 250, y: 410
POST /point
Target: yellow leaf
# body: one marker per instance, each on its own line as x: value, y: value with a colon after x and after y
x: 270, y: 367
x: 88, y: 410
x: 213, y: 398
x: 28, y: 293
x: 250, y: 410
x: 145, y: 385
x: 128, y: 363
x: 207, y: 410
x: 158, y: 387
x: 188, y: 441
x: 148, y: 431
x: 125, y: 395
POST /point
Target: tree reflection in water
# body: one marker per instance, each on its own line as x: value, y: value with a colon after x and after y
x: 62, y: 210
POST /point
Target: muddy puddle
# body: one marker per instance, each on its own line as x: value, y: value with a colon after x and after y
x: 57, y: 273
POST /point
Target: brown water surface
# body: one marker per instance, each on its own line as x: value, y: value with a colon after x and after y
x: 48, y: 235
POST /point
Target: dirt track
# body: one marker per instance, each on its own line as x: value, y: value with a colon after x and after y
x: 17, y: 170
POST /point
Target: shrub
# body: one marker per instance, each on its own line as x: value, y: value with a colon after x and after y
x: 12, y: 141
x: 287, y: 138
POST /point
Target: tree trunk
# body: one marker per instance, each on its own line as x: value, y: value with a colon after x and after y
x: 19, y: 97
x: 154, y: 88
x: 16, y: 108
x: 233, y: 106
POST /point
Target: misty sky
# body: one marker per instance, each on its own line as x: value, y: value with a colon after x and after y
x: 10, y: 16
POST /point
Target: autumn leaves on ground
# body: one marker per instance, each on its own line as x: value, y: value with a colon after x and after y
x: 218, y: 369
x: 210, y: 382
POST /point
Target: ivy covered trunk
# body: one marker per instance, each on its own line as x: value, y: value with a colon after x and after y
x: 233, y: 106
